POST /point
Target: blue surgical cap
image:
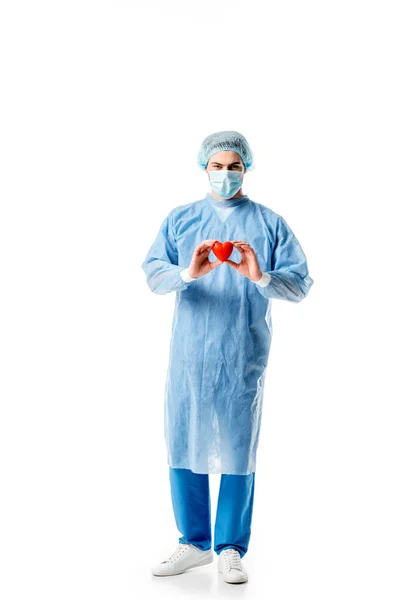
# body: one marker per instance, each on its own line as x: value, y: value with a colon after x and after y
x: 225, y: 140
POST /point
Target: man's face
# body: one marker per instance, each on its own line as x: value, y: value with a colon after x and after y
x: 225, y: 159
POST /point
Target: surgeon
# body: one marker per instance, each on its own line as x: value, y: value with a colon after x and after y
x: 221, y: 336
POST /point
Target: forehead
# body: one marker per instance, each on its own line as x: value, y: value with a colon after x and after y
x: 225, y: 157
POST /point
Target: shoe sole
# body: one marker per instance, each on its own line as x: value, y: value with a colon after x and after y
x: 227, y: 580
x: 204, y: 561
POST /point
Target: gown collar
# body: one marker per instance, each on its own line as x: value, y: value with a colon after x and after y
x: 226, y: 203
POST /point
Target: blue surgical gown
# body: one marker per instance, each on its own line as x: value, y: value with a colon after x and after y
x: 221, y: 330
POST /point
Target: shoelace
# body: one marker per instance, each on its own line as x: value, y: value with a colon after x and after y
x: 181, y: 549
x: 232, y: 558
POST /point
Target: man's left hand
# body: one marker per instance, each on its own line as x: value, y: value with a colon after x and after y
x: 248, y: 267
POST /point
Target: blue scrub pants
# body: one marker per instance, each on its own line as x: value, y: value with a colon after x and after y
x: 191, y: 502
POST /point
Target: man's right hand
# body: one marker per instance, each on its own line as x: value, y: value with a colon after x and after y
x: 200, y: 263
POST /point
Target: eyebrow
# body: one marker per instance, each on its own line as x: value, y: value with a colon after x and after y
x: 229, y: 165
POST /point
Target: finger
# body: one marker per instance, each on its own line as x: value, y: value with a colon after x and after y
x: 241, y: 245
x: 242, y: 248
x: 232, y: 263
x: 205, y: 249
x: 206, y: 246
x: 215, y: 263
x: 208, y: 243
x: 238, y: 242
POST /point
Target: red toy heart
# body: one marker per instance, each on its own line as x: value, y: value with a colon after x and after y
x: 222, y: 251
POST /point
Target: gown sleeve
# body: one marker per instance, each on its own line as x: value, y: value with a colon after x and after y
x: 289, y: 273
x: 163, y: 275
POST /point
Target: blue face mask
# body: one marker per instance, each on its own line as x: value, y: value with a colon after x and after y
x: 226, y: 183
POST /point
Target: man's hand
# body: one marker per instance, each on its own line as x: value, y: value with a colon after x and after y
x: 248, y: 267
x: 200, y: 264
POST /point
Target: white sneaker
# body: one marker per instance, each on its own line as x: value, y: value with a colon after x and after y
x: 230, y: 565
x: 185, y: 557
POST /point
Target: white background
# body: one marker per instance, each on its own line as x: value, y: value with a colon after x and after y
x: 103, y: 108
